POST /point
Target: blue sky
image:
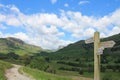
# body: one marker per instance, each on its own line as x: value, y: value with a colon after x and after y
x: 87, y: 7
x: 46, y: 22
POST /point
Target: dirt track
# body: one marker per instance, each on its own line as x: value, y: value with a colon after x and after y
x: 13, y: 74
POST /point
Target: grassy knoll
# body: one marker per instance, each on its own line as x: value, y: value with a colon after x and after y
x: 3, y: 67
x: 39, y: 75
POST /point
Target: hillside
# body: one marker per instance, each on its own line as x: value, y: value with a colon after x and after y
x: 80, y: 49
x: 78, y: 59
x: 17, y: 46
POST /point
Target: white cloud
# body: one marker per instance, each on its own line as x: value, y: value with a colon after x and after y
x: 43, y: 29
x: 14, y: 8
x: 115, y: 30
x: 66, y: 5
x: 83, y: 2
x: 1, y: 35
x: 9, y: 15
x: 89, y: 31
x: 2, y: 17
x: 77, y: 23
x: 53, y: 1
x: 13, y: 21
x: 22, y: 36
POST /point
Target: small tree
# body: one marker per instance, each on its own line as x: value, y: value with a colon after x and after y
x: 47, y: 59
x: 26, y: 59
x: 12, y: 55
x: 81, y: 72
x: 103, y: 68
x: 50, y: 69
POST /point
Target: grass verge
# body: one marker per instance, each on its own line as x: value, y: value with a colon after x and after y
x: 40, y: 75
x: 3, y: 67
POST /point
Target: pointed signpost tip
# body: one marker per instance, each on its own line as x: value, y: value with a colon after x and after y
x: 107, y: 44
x: 90, y: 40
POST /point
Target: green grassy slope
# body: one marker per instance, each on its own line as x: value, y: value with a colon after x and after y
x: 18, y: 46
x: 3, y: 67
x: 73, y: 51
x: 40, y: 75
x: 80, y: 49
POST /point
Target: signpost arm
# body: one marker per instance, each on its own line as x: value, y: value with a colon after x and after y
x: 96, y: 56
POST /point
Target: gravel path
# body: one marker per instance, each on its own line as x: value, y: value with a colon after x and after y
x: 13, y: 74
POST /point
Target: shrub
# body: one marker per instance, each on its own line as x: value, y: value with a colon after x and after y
x: 107, y: 77
x: 12, y: 55
x: 81, y: 72
x: 90, y: 69
x: 50, y: 69
x: 38, y: 63
x: 103, y: 68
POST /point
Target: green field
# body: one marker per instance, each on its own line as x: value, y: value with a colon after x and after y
x: 40, y: 75
x: 3, y: 67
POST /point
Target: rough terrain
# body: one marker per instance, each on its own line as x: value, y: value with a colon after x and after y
x: 13, y: 74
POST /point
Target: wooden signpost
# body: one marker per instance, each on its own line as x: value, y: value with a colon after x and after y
x: 98, y: 50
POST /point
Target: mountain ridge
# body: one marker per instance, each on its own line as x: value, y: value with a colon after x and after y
x: 11, y: 44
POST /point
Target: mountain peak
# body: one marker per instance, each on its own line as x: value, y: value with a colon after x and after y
x: 15, y: 40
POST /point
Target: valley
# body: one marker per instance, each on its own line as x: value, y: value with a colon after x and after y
x: 73, y: 62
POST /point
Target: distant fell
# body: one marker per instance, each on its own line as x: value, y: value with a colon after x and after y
x: 80, y: 49
x: 17, y: 46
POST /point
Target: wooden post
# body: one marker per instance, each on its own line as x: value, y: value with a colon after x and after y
x: 96, y: 56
